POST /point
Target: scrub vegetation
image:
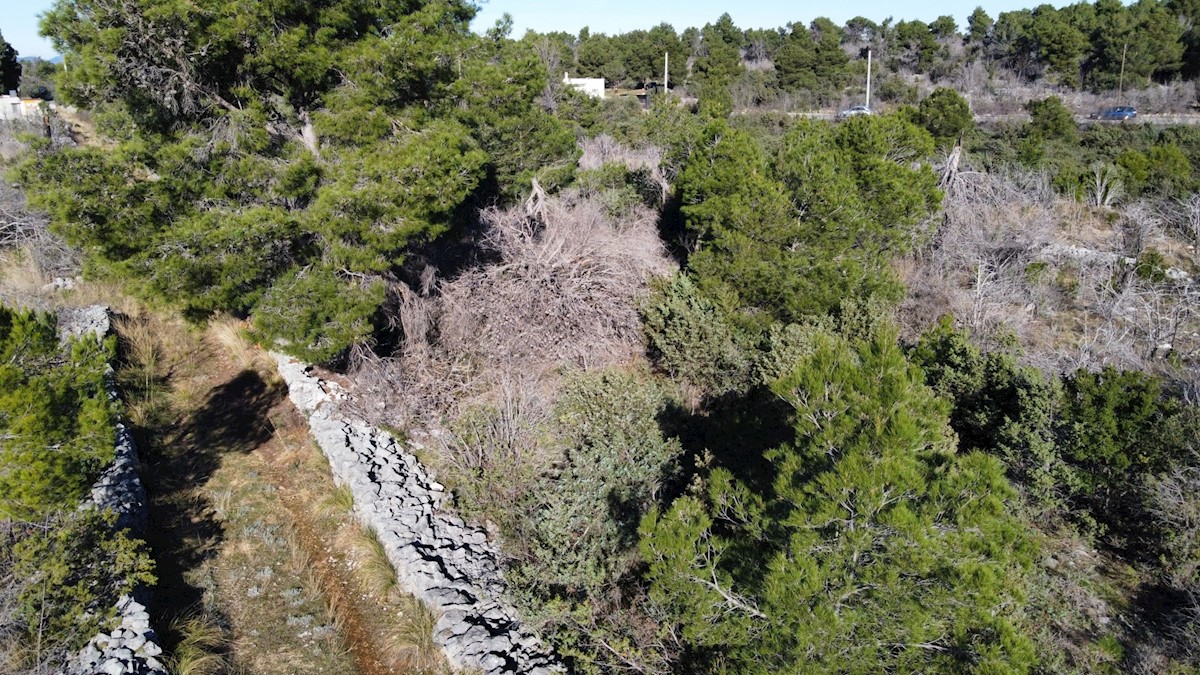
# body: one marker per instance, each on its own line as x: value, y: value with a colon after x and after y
x: 736, y: 388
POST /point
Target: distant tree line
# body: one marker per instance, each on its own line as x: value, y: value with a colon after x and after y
x: 1084, y: 45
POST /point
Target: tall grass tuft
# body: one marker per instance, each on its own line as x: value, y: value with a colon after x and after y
x: 378, y: 574
x: 202, y: 649
x: 232, y: 335
x: 337, y: 503
x: 410, y: 647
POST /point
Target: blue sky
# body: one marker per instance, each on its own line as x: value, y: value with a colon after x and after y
x: 18, y: 18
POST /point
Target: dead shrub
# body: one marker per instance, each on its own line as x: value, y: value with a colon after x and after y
x: 29, y: 231
x: 483, y: 353
x: 1013, y: 257
x: 604, y: 149
x: 565, y: 291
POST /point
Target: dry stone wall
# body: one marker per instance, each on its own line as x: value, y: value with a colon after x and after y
x: 448, y: 564
x: 131, y: 648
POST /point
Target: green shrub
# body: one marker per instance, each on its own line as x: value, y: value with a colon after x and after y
x: 1151, y: 266
x: 999, y: 407
x: 316, y: 315
x: 72, y: 571
x: 615, y: 457
x: 894, y: 89
x: 876, y: 536
x: 1050, y: 119
x: 946, y: 115
x: 576, y: 532
x: 690, y: 339
x: 56, y: 417
x: 1118, y: 428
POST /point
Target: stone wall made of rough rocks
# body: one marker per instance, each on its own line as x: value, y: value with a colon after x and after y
x: 131, y: 648
x: 450, y: 565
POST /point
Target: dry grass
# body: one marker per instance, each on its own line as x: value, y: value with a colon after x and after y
x: 337, y: 503
x: 203, y: 649
x: 23, y: 283
x: 374, y: 569
x: 404, y: 624
x: 283, y: 616
x: 409, y: 646
x: 228, y: 543
x: 233, y: 335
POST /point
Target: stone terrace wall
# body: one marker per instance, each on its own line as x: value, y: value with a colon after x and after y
x: 131, y: 648
x: 448, y: 564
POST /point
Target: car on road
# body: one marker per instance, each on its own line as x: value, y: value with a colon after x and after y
x: 1117, y: 114
x: 854, y: 112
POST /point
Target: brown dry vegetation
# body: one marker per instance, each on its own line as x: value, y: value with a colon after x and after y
x: 563, y: 292
x: 1012, y: 257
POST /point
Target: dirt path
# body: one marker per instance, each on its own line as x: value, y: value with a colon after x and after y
x: 244, y: 574
x: 330, y: 565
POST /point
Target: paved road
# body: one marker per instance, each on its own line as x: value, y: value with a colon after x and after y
x: 1157, y: 120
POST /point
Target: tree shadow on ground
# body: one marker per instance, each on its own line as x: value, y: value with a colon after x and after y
x: 737, y: 430
x: 179, y: 456
x: 1160, y: 610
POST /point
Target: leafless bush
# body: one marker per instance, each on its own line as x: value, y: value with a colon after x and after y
x: 1139, y: 224
x: 971, y: 79
x: 604, y: 149
x: 762, y: 64
x: 1014, y: 257
x: 976, y: 268
x: 505, y: 431
x: 1005, y: 94
x: 493, y: 449
x: 565, y: 291
x: 1182, y: 216
x: 21, y: 228
x: 1173, y: 499
x: 11, y: 142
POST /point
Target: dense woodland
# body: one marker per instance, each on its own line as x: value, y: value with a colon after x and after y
x: 739, y: 391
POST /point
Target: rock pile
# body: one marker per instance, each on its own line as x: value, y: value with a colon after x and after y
x: 76, y: 322
x: 119, y: 488
x: 132, y: 647
x: 448, y: 564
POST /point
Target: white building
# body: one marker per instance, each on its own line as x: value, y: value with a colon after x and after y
x: 592, y: 86
x: 13, y: 107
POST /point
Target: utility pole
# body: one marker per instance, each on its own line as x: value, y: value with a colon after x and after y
x: 1121, y: 81
x: 868, y: 78
x: 666, y: 69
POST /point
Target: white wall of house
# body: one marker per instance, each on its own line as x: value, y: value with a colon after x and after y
x: 592, y: 86
x: 15, y: 107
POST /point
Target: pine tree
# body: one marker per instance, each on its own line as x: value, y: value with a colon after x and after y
x: 10, y: 68
x: 878, y: 548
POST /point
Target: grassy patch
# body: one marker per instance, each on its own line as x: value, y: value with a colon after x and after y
x: 256, y: 536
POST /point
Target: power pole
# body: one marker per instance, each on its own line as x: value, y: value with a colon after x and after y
x: 666, y: 69
x: 868, y: 78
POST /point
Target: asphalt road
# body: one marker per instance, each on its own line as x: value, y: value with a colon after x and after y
x: 1156, y: 120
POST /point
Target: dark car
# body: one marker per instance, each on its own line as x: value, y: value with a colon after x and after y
x: 1118, y: 114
